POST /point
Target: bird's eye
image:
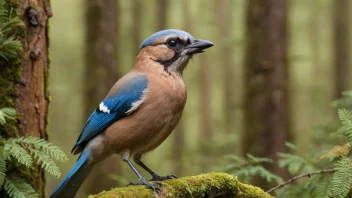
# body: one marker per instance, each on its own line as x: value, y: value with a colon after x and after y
x: 173, y: 43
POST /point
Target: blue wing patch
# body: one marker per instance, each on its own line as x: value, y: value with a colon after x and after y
x: 113, y: 108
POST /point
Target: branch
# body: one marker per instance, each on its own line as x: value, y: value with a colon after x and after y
x: 205, y: 185
x: 300, y: 176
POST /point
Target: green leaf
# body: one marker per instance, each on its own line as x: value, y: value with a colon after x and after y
x: 44, y: 146
x: 293, y: 162
x: 2, y: 168
x: 258, y: 159
x: 258, y: 171
x: 6, y: 113
x: 291, y: 146
x: 24, y: 148
x: 345, y: 117
x: 19, y: 188
x: 19, y: 153
x: 342, y: 179
x: 46, y: 162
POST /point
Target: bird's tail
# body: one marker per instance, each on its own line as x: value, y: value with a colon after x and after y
x: 71, y: 183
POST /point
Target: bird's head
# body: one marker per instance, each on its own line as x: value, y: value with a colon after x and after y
x: 172, y: 49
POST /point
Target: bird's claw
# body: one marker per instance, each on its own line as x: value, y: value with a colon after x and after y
x: 157, y: 177
x: 142, y: 181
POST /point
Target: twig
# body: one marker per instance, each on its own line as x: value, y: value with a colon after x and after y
x: 300, y: 176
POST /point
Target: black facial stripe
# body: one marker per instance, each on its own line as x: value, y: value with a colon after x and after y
x: 168, y: 63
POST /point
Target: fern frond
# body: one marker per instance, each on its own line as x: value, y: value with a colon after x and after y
x: 236, y: 158
x: 337, y: 151
x: 255, y: 160
x: 293, y: 162
x: 19, y: 188
x: 9, y: 46
x: 291, y: 146
x: 345, y: 117
x: 2, y: 169
x: 46, y: 162
x: 258, y: 170
x: 342, y: 179
x: 42, y: 151
x: 19, y: 153
x: 3, y: 12
x: 320, y: 187
x: 6, y: 113
x: 267, y: 175
x: 39, y: 144
x: 344, y: 102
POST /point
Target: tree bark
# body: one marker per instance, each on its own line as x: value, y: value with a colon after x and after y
x: 266, y: 80
x: 136, y: 27
x: 206, y: 127
x: 23, y: 82
x: 223, y: 10
x: 162, y: 14
x: 341, y: 41
x: 101, y: 73
x: 179, y: 138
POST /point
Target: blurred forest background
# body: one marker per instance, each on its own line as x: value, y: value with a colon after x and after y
x: 230, y: 90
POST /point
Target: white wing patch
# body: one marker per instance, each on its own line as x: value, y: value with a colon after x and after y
x: 104, y: 108
x: 136, y: 104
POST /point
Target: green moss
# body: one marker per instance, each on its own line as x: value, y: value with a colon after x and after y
x: 10, y: 79
x: 206, y: 185
x: 10, y: 76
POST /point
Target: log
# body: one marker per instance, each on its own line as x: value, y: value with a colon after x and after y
x: 205, y: 185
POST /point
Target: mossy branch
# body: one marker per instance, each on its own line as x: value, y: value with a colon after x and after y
x: 205, y: 185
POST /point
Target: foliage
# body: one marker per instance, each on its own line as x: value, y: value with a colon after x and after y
x: 294, y: 163
x: 19, y: 188
x: 9, y: 46
x: 246, y: 168
x: 25, y: 150
x: 300, y: 163
x: 346, y: 118
x: 6, y: 113
x: 342, y: 179
x: 338, y: 157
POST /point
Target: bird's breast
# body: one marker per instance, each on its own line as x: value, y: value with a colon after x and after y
x: 165, y: 98
x: 152, y: 122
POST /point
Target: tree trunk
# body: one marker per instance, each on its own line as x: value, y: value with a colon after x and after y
x: 206, y: 128
x: 100, y: 75
x: 23, y: 81
x: 179, y: 138
x: 341, y: 41
x: 136, y: 27
x: 266, y: 80
x: 162, y: 13
x: 223, y: 10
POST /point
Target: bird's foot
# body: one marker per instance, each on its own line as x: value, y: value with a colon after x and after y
x: 142, y: 181
x: 157, y: 177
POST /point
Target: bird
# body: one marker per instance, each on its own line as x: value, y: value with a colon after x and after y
x: 139, y: 112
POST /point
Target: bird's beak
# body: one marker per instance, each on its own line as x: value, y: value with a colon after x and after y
x: 197, y: 46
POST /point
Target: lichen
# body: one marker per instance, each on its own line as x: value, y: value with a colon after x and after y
x: 206, y: 185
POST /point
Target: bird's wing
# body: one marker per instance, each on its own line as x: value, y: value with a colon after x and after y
x: 124, y: 97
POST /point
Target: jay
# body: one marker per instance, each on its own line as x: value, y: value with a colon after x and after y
x: 139, y: 112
